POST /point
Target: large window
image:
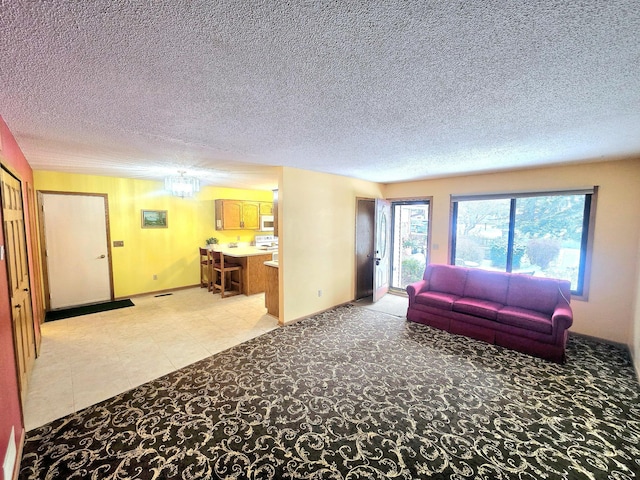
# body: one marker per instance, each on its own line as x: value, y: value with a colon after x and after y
x: 536, y: 234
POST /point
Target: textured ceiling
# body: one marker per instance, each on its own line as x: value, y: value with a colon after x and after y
x: 380, y: 90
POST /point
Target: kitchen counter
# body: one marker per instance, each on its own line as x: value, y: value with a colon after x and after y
x: 244, y: 251
x: 271, y: 296
x: 254, y: 271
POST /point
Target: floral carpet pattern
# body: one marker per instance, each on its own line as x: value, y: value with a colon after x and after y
x: 357, y: 394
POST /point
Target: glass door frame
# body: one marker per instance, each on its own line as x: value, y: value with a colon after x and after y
x: 423, y: 201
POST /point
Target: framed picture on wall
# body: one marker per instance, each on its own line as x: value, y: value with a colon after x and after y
x: 154, y: 219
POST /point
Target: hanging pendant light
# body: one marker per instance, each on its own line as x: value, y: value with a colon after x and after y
x: 182, y: 186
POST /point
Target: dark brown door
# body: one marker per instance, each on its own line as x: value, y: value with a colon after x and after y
x: 18, y: 270
x: 365, y: 221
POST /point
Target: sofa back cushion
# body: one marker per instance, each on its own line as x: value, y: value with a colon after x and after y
x: 447, y: 279
x: 486, y: 285
x: 533, y: 293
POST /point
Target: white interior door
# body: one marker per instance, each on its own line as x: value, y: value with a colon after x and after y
x: 77, y: 249
x: 382, y: 237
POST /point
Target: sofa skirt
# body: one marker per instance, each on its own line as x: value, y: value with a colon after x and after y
x: 532, y: 343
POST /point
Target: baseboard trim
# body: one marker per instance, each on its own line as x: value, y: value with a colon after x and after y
x: 601, y: 340
x: 16, y: 467
x: 296, y: 320
x: 636, y: 363
x: 156, y: 292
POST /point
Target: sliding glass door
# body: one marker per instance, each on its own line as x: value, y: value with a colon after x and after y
x: 410, y: 240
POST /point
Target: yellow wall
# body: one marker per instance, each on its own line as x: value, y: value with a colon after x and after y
x: 608, y: 313
x: 171, y: 253
x: 317, y: 214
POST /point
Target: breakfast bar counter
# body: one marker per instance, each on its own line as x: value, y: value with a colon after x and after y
x: 271, y: 295
x: 254, y: 271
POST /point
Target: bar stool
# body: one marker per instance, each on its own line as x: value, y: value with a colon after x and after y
x: 219, y: 270
x: 205, y: 269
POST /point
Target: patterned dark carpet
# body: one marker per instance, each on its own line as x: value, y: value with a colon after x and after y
x: 355, y: 394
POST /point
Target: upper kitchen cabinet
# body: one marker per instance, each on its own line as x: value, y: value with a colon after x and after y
x: 251, y: 215
x: 266, y: 208
x: 237, y: 215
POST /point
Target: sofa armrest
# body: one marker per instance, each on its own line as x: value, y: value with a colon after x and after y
x: 562, y: 316
x: 415, y: 288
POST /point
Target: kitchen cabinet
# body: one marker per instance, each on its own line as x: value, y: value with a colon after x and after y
x: 266, y: 208
x: 254, y: 270
x: 250, y: 215
x: 237, y: 215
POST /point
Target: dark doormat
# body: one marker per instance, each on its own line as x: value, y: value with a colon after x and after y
x: 87, y: 309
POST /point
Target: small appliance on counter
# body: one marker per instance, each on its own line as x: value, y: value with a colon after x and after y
x: 266, y: 242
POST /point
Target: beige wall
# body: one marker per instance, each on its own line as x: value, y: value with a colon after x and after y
x: 317, y: 239
x: 609, y: 311
x: 635, y: 335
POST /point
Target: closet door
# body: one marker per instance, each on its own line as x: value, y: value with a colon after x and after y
x: 18, y: 270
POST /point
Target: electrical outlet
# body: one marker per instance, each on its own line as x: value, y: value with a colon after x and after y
x: 319, y: 293
x: 238, y: 238
x: 155, y: 277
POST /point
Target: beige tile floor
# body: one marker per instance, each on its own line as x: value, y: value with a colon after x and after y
x: 85, y: 360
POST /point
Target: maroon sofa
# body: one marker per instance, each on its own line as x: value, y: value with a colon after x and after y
x: 521, y: 312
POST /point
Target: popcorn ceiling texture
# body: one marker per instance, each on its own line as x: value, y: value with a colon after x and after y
x: 381, y: 90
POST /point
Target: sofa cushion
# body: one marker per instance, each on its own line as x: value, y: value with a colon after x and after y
x: 447, y: 279
x: 437, y: 299
x: 487, y: 285
x: 533, y: 293
x: 524, y: 318
x: 477, y: 307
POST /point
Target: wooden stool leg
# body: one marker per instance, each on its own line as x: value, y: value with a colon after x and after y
x: 211, y: 287
x: 204, y: 275
x: 214, y: 281
x: 235, y: 283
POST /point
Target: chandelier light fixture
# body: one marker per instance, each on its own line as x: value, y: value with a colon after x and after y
x: 182, y: 186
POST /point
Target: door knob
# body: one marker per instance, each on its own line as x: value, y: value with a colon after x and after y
x: 102, y: 256
x: 18, y: 306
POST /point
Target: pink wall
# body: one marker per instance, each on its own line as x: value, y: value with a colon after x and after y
x: 10, y: 408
